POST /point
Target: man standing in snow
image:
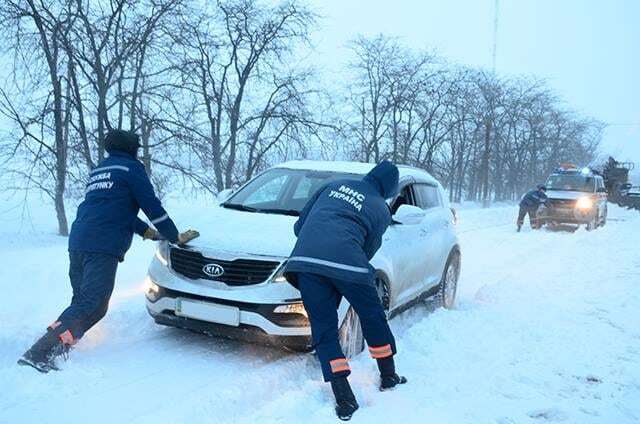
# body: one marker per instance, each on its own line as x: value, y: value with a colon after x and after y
x: 529, y: 204
x: 100, y: 236
x: 339, y: 231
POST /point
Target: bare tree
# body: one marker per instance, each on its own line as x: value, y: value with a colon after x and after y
x: 234, y: 60
x: 35, y: 31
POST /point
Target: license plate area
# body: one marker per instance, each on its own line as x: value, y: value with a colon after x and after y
x: 205, y: 311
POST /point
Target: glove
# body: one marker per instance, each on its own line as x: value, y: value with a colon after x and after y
x: 151, y: 234
x: 187, y: 236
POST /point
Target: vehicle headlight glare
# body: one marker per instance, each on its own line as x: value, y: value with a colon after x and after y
x: 584, y: 203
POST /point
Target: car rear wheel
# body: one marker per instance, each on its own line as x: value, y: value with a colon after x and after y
x: 593, y: 223
x: 603, y: 222
x: 350, y: 331
x: 449, y: 283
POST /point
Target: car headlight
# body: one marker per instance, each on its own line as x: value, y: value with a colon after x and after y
x: 584, y: 203
x: 291, y: 308
x: 162, y: 253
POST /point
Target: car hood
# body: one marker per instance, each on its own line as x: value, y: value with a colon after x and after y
x: 566, y: 195
x: 236, y: 231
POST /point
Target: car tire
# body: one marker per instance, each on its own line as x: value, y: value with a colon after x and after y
x: 448, y: 287
x: 603, y: 222
x: 350, y: 331
x: 593, y: 223
x: 382, y: 287
x: 350, y: 334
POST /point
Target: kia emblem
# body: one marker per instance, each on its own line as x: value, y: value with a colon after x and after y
x: 213, y: 270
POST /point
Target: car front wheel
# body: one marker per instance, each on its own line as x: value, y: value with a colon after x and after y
x: 350, y: 331
x: 350, y: 334
x: 449, y: 283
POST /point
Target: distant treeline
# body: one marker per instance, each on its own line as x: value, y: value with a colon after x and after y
x: 221, y: 91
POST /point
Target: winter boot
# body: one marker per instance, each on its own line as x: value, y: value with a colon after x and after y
x: 43, y: 353
x: 346, y: 403
x: 388, y: 377
x: 519, y: 228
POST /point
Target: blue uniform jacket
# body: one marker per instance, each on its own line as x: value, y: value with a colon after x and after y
x: 107, y: 218
x: 533, y: 199
x: 340, y: 229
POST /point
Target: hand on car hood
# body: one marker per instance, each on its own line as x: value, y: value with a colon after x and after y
x: 244, y: 232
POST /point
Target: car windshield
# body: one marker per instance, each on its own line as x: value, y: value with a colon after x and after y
x: 571, y: 183
x: 282, y: 191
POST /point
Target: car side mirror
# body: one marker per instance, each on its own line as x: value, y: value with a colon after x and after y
x: 409, y: 215
x: 223, y: 195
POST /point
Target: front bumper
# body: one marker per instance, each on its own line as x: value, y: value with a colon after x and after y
x: 257, y: 321
x: 567, y: 216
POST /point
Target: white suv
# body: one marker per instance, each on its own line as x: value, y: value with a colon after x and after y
x: 229, y: 283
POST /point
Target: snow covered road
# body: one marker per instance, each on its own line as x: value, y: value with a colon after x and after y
x: 547, y: 329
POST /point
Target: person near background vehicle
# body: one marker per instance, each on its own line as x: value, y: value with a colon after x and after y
x: 529, y: 204
x: 339, y: 230
x: 100, y: 236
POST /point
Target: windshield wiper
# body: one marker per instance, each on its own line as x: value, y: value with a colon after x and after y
x: 290, y: 212
x: 239, y: 207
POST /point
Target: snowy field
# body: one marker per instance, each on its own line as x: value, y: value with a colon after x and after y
x: 547, y: 329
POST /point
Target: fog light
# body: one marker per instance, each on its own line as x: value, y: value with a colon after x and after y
x: 151, y: 289
x: 584, y: 203
x: 292, y: 308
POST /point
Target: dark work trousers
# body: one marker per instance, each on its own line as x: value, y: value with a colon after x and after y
x: 532, y: 211
x: 321, y: 297
x: 92, y: 278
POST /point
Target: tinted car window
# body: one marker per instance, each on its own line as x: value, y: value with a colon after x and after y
x: 428, y: 196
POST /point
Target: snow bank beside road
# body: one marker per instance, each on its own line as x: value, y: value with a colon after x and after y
x: 547, y: 329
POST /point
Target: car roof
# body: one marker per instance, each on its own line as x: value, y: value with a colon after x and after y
x: 359, y: 168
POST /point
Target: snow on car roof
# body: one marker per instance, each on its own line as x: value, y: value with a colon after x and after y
x: 354, y: 168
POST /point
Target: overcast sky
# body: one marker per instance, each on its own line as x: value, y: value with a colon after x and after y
x: 588, y: 50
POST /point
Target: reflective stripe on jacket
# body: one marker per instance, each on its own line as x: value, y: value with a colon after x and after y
x: 107, y: 218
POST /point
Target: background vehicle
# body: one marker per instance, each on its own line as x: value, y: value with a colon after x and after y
x: 616, y: 179
x: 576, y: 196
x: 229, y: 281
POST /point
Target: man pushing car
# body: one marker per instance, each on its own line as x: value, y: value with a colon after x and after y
x: 529, y: 204
x: 100, y: 236
x: 339, y: 230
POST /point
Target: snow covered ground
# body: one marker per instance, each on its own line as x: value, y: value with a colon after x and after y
x: 547, y: 329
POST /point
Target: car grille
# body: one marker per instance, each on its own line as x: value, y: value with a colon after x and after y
x: 239, y: 272
x: 561, y: 203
